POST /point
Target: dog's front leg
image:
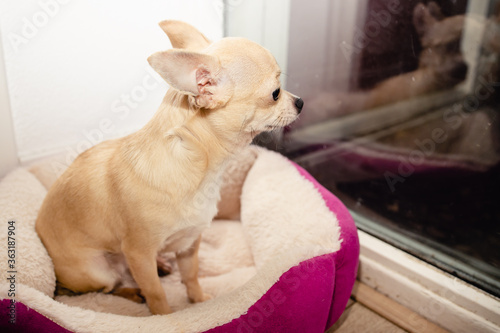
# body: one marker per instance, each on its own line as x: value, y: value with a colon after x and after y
x: 188, y: 266
x: 142, y: 264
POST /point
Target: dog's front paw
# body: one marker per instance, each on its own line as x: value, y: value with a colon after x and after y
x: 202, y: 297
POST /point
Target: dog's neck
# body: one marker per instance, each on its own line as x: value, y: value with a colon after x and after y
x: 209, y: 130
x: 185, y: 137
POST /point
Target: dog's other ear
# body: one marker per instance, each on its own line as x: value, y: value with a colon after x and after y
x: 496, y: 13
x: 422, y: 19
x: 184, y: 36
x: 435, y: 10
x: 198, y: 75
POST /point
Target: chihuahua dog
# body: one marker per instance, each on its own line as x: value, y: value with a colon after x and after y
x: 123, y: 201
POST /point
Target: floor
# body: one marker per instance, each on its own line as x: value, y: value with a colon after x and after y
x: 371, y: 312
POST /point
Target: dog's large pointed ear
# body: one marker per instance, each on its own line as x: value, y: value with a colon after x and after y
x: 184, y: 36
x: 422, y: 19
x: 198, y: 75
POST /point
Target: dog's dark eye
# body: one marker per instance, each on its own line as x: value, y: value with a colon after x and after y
x: 276, y: 94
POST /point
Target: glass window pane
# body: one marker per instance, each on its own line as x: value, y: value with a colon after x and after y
x: 401, y: 121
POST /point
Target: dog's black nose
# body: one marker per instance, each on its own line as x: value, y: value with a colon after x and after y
x: 299, y: 104
x: 459, y: 71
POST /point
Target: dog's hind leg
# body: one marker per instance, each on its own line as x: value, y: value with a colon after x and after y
x: 164, y: 267
x: 87, y: 271
x: 132, y: 294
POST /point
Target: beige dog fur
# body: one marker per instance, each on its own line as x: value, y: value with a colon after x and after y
x: 124, y: 200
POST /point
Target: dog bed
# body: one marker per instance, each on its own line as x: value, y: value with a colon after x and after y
x: 281, y: 256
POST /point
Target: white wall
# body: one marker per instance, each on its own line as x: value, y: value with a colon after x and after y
x: 76, y: 70
x: 316, y: 61
x: 262, y: 21
x: 8, y: 151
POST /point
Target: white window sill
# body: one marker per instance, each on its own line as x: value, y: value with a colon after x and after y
x: 426, y: 290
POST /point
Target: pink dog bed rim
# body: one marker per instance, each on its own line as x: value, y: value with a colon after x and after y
x: 309, y: 297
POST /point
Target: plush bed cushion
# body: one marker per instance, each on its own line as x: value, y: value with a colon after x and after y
x: 272, y: 258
